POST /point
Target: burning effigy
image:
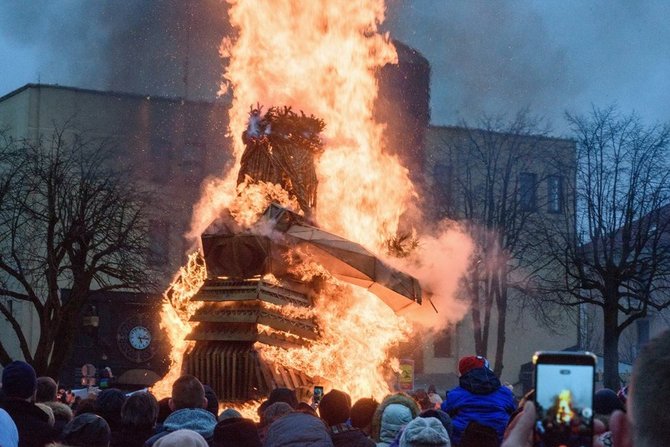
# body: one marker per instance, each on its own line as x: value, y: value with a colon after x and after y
x: 257, y: 294
x: 297, y: 281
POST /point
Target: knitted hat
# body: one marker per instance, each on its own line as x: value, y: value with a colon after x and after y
x: 335, y: 407
x: 274, y: 412
x: 470, y: 362
x: 19, y: 380
x: 362, y: 412
x: 606, y: 401
x: 181, y: 438
x: 442, y: 417
x: 86, y: 430
x: 425, y: 432
x: 236, y: 432
x: 229, y: 413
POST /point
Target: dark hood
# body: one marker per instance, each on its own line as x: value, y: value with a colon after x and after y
x: 479, y: 381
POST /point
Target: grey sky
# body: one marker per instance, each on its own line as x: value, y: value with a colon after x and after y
x: 486, y: 56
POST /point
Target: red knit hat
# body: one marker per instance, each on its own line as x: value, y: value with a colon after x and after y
x: 465, y: 364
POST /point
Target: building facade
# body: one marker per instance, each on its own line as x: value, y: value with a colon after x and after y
x: 501, y: 187
x: 166, y: 145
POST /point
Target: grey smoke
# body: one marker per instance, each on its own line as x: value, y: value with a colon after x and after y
x: 134, y: 46
x: 551, y: 56
x: 486, y: 56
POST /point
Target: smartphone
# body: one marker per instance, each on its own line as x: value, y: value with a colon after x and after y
x: 318, y: 394
x: 564, y: 388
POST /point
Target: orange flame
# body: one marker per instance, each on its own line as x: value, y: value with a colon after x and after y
x: 175, y: 313
x: 319, y: 57
x: 564, y: 413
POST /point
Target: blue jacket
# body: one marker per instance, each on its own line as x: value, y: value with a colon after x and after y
x: 481, y: 398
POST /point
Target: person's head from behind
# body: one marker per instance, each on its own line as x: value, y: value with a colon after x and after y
x: 605, y: 402
x: 335, y: 407
x: 139, y: 412
x: 187, y: 392
x: 283, y: 395
x: 47, y: 389
x: 86, y: 430
x: 164, y: 410
x: 362, y: 412
x: 649, y: 399
x: 212, y: 400
x: 108, y: 404
x: 19, y: 381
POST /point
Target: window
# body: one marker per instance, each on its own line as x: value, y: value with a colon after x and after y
x: 555, y: 193
x: 159, y: 238
x: 527, y: 191
x: 443, y: 342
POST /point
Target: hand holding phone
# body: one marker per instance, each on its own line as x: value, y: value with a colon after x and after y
x: 318, y: 394
x: 564, y: 388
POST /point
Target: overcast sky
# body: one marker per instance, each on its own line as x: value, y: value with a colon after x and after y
x: 486, y: 56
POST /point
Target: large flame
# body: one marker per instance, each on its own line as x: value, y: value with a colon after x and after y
x: 175, y: 313
x: 319, y: 57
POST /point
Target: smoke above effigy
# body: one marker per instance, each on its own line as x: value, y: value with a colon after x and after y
x: 341, y: 220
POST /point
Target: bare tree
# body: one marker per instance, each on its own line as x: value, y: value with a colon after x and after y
x: 484, y: 187
x: 66, y: 221
x: 619, y: 258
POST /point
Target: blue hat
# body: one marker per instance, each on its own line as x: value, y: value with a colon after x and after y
x: 19, y: 380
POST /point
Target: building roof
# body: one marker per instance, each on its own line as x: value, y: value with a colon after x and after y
x: 106, y: 93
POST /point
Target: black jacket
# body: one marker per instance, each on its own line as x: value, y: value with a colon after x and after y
x: 31, y: 422
x: 352, y: 438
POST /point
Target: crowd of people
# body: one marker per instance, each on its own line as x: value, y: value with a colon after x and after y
x: 480, y: 411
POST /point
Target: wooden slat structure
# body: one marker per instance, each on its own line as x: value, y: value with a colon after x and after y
x: 237, y: 316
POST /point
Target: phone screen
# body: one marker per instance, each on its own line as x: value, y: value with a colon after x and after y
x: 318, y: 394
x: 564, y: 397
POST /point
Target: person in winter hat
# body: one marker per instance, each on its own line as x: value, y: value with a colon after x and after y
x: 362, y: 413
x: 442, y: 417
x: 271, y: 414
x: 86, y: 430
x: 425, y: 432
x: 335, y: 409
x: 395, y: 411
x: 479, y: 398
x: 182, y: 438
x: 188, y: 404
x: 19, y: 385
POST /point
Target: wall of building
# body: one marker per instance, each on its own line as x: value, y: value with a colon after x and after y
x: 167, y: 146
x: 447, y: 156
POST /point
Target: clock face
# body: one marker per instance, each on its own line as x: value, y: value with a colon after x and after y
x: 135, y: 337
x: 139, y: 337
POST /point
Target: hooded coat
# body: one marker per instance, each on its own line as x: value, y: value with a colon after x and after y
x: 298, y: 430
x: 395, y: 411
x: 198, y: 420
x: 481, y: 398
